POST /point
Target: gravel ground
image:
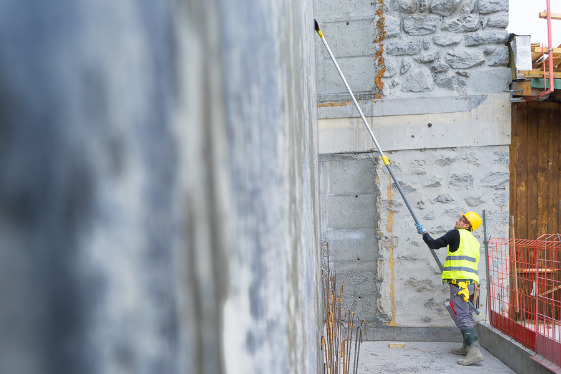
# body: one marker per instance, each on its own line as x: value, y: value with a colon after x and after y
x: 422, y: 357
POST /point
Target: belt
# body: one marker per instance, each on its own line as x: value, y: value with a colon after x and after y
x: 456, y: 281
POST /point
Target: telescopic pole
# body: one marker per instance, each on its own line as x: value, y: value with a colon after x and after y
x: 385, y: 159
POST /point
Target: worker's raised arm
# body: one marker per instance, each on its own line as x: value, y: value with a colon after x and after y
x: 451, y: 238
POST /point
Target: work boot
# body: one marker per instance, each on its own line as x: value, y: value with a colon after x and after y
x: 462, y: 351
x: 471, y: 342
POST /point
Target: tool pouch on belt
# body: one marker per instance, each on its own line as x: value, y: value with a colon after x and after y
x: 464, y: 292
x: 476, y: 294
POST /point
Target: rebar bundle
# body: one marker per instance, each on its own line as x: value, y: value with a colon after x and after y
x: 338, y: 329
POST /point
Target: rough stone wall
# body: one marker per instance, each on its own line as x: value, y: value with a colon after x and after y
x: 438, y: 47
x: 439, y: 184
x: 158, y: 197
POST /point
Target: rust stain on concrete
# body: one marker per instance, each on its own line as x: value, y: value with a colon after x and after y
x: 333, y: 104
x: 389, y: 228
x: 381, y: 32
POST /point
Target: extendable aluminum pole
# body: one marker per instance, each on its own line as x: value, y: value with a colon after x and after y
x: 385, y: 159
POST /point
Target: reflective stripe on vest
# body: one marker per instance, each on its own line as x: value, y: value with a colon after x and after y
x: 462, y: 264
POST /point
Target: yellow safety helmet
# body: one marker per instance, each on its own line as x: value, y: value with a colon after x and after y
x: 474, y: 220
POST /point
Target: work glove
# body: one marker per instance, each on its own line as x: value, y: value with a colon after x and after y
x: 420, y: 228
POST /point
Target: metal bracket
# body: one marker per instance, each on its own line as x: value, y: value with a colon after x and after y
x: 515, y: 99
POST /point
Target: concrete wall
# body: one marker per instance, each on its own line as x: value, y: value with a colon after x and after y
x: 158, y: 198
x: 349, y: 199
x: 350, y: 27
x: 445, y: 125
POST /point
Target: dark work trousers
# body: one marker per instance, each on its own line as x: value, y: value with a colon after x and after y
x: 464, y: 317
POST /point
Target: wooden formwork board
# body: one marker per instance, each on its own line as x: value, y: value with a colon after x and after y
x: 535, y: 168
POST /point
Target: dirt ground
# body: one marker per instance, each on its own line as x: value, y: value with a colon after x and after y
x: 422, y: 357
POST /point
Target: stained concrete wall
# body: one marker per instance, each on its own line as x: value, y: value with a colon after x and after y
x: 445, y: 125
x: 158, y: 197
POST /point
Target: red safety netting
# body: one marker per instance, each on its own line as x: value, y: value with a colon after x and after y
x: 525, y: 292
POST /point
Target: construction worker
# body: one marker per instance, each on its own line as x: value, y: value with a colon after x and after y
x: 460, y: 271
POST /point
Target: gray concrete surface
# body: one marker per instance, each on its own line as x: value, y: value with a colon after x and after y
x: 426, y: 350
x: 158, y: 189
x: 400, y: 126
x: 517, y: 356
x: 350, y: 29
x: 414, y: 334
x: 422, y: 358
x: 349, y: 216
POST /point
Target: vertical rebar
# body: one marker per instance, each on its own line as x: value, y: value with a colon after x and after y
x: 337, y: 340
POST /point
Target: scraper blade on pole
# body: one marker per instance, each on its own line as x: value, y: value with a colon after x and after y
x: 385, y: 159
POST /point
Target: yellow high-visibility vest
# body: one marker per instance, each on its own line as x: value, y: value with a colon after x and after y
x: 462, y: 264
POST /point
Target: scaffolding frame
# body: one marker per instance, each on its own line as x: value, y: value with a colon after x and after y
x: 524, y: 286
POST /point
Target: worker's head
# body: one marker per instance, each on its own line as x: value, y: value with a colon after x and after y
x: 468, y: 221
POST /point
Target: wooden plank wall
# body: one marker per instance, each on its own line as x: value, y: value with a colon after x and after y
x: 535, y: 169
x: 535, y: 200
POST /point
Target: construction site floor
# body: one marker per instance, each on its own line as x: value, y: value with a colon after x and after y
x: 422, y: 357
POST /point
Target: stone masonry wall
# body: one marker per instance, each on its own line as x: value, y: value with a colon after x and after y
x: 437, y: 47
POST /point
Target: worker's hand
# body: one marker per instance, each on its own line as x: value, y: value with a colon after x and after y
x: 420, y: 228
